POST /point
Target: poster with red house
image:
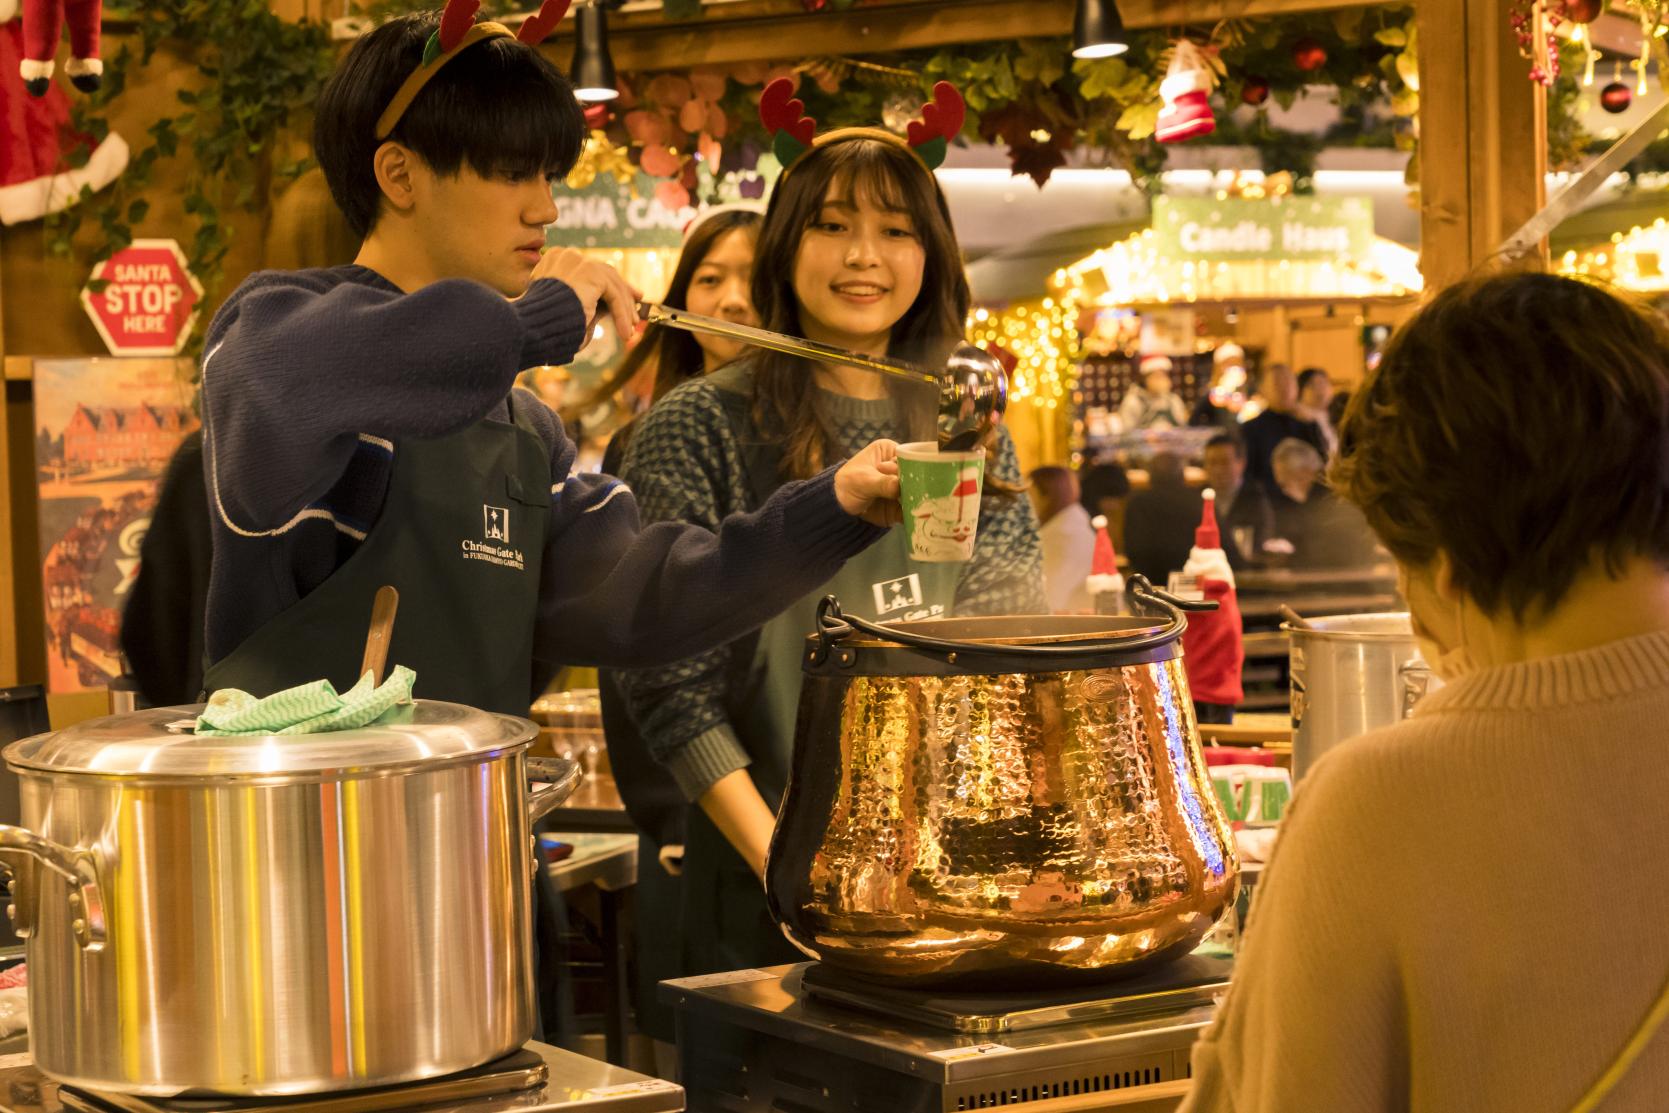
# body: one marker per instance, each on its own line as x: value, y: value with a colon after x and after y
x: 104, y: 432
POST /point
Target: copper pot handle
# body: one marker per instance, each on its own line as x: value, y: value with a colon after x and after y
x: 834, y: 625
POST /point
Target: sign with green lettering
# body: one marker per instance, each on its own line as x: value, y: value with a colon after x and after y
x: 1336, y: 229
x: 607, y: 214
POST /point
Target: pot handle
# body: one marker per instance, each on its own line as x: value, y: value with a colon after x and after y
x: 86, y: 898
x: 834, y: 625
x: 560, y: 777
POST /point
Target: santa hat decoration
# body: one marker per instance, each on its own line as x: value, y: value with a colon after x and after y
x: 793, y: 133
x: 43, y: 23
x: 1105, y: 561
x: 1187, y: 85
x: 1206, y: 534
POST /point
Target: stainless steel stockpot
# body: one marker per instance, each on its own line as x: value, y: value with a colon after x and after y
x: 277, y: 915
x: 1351, y: 673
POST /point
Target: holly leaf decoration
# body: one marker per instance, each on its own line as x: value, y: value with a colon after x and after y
x: 1036, y: 142
x: 1139, y: 120
x: 1039, y: 61
x: 1037, y: 162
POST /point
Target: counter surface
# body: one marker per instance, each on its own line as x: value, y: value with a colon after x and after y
x: 576, y: 1085
x: 771, y: 1001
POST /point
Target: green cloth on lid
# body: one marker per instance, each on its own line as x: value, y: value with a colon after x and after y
x: 305, y: 709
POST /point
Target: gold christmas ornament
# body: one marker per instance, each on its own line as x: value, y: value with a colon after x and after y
x: 601, y: 157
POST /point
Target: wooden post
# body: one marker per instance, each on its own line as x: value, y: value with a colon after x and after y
x: 1483, y: 138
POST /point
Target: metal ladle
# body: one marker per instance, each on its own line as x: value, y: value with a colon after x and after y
x: 973, y: 389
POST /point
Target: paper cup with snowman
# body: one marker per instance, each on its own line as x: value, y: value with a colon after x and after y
x: 940, y: 495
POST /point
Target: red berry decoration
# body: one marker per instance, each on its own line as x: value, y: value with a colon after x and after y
x: 1616, y: 97
x: 1254, y: 92
x: 1583, y: 11
x: 1308, y: 55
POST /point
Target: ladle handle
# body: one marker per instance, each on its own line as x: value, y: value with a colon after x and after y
x: 778, y: 342
x: 834, y: 625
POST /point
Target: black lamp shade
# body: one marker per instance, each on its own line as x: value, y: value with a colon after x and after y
x: 1097, y: 30
x: 592, y: 73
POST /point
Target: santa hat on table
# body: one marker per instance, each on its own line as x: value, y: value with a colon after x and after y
x: 36, y: 176
x: 43, y: 22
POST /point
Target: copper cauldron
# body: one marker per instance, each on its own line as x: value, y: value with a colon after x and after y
x: 998, y: 803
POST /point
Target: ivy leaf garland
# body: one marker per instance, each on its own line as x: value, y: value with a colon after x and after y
x: 259, y: 74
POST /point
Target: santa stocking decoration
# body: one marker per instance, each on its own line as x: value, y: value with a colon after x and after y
x: 43, y: 22
x: 1187, y: 85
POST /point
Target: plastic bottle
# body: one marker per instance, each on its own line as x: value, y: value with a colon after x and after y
x: 1105, y: 583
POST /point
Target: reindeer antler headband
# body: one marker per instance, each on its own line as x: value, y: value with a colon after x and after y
x: 793, y: 133
x: 457, y: 33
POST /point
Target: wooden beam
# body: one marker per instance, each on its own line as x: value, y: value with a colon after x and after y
x: 773, y: 30
x: 1483, y: 138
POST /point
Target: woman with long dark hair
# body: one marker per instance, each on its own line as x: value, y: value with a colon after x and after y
x: 856, y: 251
x: 712, y: 278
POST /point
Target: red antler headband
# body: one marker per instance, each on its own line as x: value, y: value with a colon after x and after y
x: 457, y: 33
x: 793, y: 133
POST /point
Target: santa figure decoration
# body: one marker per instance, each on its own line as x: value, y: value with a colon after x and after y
x: 1187, y: 85
x: 43, y: 23
x: 37, y: 171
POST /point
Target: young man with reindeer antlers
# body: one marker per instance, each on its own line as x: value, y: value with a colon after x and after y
x: 361, y: 430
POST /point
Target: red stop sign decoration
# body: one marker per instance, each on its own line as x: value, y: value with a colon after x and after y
x: 147, y: 302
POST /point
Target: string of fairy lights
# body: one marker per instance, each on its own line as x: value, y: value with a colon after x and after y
x: 1042, y: 341
x: 1634, y: 260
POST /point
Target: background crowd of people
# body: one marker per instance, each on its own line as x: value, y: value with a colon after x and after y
x: 1265, y: 465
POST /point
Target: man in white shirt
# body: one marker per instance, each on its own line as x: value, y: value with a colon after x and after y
x: 1068, y: 539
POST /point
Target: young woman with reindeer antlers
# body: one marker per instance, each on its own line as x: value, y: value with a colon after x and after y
x: 361, y: 428
x: 857, y: 251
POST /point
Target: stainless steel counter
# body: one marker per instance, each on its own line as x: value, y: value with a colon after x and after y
x: 751, y: 1040
x: 576, y: 1085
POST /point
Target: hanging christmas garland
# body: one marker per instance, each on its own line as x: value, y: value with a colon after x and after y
x: 1034, y: 99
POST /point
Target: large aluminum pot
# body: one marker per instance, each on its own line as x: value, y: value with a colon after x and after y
x: 1350, y: 674
x: 999, y: 803
x: 277, y: 915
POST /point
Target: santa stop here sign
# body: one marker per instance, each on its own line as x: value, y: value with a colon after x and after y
x: 146, y: 300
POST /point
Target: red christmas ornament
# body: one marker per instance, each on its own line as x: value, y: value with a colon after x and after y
x: 1308, y: 55
x: 597, y: 116
x: 1254, y: 92
x: 1616, y: 97
x: 1583, y: 11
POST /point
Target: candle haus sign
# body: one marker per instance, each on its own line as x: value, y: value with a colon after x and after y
x: 606, y: 214
x: 143, y: 299
x: 1336, y: 229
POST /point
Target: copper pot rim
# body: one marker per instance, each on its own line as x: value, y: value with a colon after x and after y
x: 1071, y: 629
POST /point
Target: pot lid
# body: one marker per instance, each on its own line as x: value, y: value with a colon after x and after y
x: 140, y: 744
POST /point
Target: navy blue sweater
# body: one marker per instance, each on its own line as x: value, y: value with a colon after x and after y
x: 311, y: 381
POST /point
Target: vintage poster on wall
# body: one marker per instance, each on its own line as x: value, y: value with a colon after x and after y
x: 104, y: 432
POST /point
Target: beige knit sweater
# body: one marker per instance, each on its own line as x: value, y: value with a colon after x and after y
x: 1468, y: 911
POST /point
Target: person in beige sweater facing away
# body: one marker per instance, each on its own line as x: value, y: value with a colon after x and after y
x: 1467, y: 912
